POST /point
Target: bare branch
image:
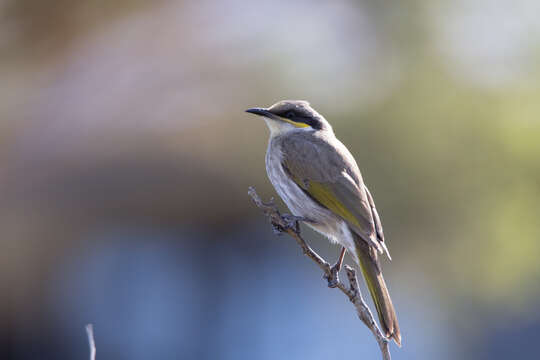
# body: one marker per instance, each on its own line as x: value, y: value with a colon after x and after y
x: 289, y: 225
x: 91, y: 342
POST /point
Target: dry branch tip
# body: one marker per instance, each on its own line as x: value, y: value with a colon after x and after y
x: 289, y: 224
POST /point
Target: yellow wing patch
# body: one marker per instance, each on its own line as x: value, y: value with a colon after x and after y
x: 326, y: 197
x: 320, y: 192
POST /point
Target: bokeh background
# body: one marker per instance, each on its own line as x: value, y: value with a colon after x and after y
x: 126, y: 157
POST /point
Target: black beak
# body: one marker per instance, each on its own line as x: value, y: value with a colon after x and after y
x: 260, y: 112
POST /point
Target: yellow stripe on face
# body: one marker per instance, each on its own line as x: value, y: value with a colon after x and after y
x: 294, y: 123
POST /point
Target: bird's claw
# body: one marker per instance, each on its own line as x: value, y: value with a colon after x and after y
x: 292, y: 221
x: 333, y: 277
x: 286, y: 222
x: 278, y: 230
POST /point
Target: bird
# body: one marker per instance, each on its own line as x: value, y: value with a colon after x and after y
x: 320, y: 182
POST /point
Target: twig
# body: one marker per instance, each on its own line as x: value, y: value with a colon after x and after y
x: 289, y: 225
x: 91, y: 342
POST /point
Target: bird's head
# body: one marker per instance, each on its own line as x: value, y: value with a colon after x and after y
x: 289, y: 115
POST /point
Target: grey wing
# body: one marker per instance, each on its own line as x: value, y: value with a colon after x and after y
x: 328, y: 174
x: 377, y: 221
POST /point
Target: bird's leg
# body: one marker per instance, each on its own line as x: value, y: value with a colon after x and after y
x: 339, y: 263
x: 333, y: 278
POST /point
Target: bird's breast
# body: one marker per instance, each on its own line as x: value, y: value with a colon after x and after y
x: 289, y: 192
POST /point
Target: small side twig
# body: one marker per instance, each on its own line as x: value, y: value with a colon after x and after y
x: 283, y: 224
x: 91, y: 342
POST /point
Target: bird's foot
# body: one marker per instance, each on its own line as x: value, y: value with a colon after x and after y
x: 292, y: 221
x: 333, y: 277
x: 277, y: 229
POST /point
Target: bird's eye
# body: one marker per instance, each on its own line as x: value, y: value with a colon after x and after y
x: 289, y: 114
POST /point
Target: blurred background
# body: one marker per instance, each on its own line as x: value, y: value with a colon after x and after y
x: 126, y: 157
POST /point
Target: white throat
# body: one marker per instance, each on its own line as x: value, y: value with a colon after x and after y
x: 281, y: 127
x: 278, y: 127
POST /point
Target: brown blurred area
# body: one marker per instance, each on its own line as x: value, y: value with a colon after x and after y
x: 130, y: 114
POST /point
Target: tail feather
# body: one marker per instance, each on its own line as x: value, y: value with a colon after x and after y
x: 371, y: 270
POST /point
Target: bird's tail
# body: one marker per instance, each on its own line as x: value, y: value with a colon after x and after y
x: 368, y: 262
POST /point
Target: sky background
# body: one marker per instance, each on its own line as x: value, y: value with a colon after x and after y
x: 126, y: 155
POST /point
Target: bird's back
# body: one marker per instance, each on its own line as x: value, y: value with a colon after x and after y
x: 311, y: 149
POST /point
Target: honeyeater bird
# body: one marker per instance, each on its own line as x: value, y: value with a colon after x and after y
x: 319, y: 180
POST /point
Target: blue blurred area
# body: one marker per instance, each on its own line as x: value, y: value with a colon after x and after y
x: 151, y: 293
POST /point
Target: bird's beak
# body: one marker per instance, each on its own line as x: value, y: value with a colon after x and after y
x: 261, y: 112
